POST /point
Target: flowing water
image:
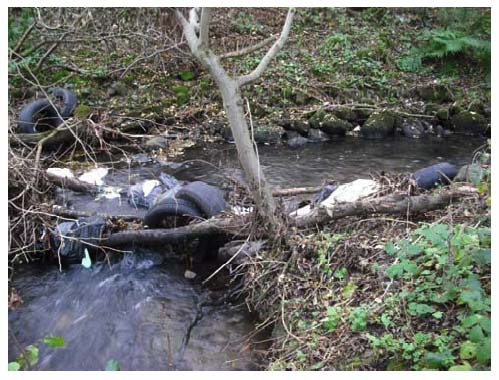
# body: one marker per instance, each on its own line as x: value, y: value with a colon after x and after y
x: 142, y: 311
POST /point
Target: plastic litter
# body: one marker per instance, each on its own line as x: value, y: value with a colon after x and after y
x: 143, y: 194
x: 71, y: 239
x: 146, y: 193
x: 149, y: 185
x: 168, y: 181
x: 109, y: 192
x: 86, y: 261
x: 349, y: 192
x: 324, y: 193
x: 61, y: 172
x: 94, y: 176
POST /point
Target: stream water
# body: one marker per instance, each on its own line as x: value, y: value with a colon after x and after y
x: 141, y: 311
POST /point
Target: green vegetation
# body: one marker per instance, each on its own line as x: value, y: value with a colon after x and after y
x: 334, y: 55
x: 464, y: 32
x: 440, y: 268
x: 437, y: 44
x: 113, y: 365
x: 30, y: 354
x: 360, y: 294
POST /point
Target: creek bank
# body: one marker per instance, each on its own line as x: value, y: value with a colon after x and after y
x: 370, y: 123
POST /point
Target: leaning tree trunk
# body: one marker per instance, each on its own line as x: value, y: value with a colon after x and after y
x: 197, y: 35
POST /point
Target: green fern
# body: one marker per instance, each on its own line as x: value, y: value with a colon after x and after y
x: 442, y: 43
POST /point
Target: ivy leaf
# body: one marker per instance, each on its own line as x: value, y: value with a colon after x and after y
x: 113, y: 365
x: 462, y: 367
x: 395, y: 270
x: 186, y: 75
x: 31, y: 353
x: 476, y: 334
x: 14, y: 366
x: 483, y: 352
x: 317, y: 366
x: 340, y: 273
x: 420, y: 309
x: 54, y: 341
x: 484, y: 322
x: 409, y: 267
x: 481, y: 256
x: 437, y: 315
x: 468, y: 350
x: 390, y: 248
x: 413, y: 249
x: 385, y: 319
x: 349, y: 290
x: 472, y: 294
x: 437, y: 360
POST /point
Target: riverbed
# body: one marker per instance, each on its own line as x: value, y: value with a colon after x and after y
x: 139, y: 309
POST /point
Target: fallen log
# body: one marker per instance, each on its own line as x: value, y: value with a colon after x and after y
x: 296, y: 191
x: 71, y: 183
x: 390, y: 204
x: 234, y: 226
x: 75, y: 214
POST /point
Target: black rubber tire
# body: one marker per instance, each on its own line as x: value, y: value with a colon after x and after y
x: 38, y: 116
x: 431, y: 176
x: 171, y: 207
x: 68, y: 99
x: 207, y: 198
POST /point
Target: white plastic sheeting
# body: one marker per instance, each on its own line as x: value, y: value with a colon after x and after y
x: 94, y: 176
x: 61, y: 172
x: 347, y: 193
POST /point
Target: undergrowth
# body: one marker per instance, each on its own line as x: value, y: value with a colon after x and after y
x: 382, y: 293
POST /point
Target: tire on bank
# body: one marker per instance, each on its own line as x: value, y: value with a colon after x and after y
x: 38, y: 116
x: 68, y: 100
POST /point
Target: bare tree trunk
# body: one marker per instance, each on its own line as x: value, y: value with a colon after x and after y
x: 233, y: 102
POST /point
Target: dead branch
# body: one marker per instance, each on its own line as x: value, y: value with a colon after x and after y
x: 75, y: 214
x: 23, y: 38
x: 295, y: 191
x: 247, y: 50
x: 71, y: 183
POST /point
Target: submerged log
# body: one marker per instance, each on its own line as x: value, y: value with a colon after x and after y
x: 234, y: 226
